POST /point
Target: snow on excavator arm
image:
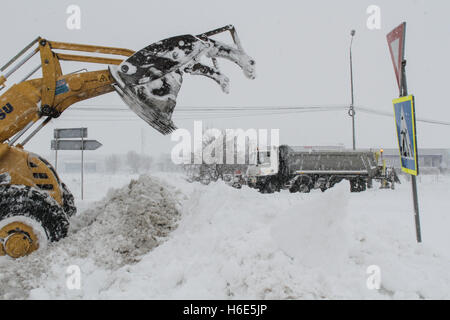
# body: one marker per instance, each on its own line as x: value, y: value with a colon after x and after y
x: 148, y: 80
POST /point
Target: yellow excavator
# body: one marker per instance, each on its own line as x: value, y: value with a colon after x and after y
x: 35, y: 206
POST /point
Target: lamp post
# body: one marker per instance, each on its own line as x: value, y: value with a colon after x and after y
x: 351, y: 111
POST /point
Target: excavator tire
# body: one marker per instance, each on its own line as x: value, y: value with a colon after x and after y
x: 68, y: 202
x: 23, y: 205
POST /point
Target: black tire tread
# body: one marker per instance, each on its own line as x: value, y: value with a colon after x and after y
x: 68, y: 201
x: 38, y: 205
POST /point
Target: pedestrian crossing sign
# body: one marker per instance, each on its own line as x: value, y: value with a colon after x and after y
x: 405, y: 122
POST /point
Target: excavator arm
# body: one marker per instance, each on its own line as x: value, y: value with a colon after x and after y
x: 28, y: 101
x: 60, y: 91
x: 148, y: 80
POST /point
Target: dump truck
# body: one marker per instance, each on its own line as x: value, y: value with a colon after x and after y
x: 302, y: 170
x: 35, y: 205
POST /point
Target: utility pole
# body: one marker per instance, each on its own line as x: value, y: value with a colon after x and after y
x: 142, y: 140
x: 351, y: 111
x: 56, y: 154
x: 82, y: 167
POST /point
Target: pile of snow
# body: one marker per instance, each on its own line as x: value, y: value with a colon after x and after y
x: 240, y: 244
x: 316, y: 234
x: 114, y: 232
x: 129, y: 223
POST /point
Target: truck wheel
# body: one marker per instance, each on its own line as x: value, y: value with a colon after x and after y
x: 268, y: 187
x: 28, y: 219
x: 294, y: 188
x: 362, y: 186
x: 304, y: 188
x: 357, y: 185
x: 205, y: 181
x: 353, y: 186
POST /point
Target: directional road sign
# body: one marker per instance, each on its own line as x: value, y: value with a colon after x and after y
x: 75, y: 144
x: 70, y: 133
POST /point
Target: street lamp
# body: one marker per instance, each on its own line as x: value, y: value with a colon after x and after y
x: 351, y: 111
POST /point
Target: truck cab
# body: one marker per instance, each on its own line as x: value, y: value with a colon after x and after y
x: 264, y: 166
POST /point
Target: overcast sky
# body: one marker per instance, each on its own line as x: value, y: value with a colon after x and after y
x: 302, y: 58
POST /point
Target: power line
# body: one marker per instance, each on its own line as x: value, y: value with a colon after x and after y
x: 211, y: 116
x: 389, y: 114
x: 223, y: 108
x: 224, y: 112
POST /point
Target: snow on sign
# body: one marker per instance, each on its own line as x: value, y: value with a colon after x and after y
x: 405, y: 123
x: 396, y: 42
x: 75, y: 145
x: 70, y: 133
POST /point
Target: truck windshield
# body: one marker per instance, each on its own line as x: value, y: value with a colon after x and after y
x: 263, y: 157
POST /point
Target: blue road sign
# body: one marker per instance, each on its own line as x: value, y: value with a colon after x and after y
x: 405, y: 123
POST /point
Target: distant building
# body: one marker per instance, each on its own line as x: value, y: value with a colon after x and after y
x: 75, y: 166
x: 70, y: 162
x: 428, y: 159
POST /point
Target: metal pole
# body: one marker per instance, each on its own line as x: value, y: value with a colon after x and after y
x: 351, y: 111
x: 31, y: 73
x: 21, y: 63
x: 43, y: 124
x: 17, y: 56
x: 142, y: 140
x: 82, y: 167
x: 404, y: 93
x: 56, y: 154
x: 416, y: 209
x: 21, y: 133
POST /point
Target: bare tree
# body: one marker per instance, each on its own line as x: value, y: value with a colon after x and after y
x: 232, y: 168
x: 134, y: 161
x: 147, y: 162
x: 112, y: 163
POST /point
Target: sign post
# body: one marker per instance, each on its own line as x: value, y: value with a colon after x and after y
x: 405, y: 119
x: 61, y: 142
x: 56, y: 154
x: 82, y: 168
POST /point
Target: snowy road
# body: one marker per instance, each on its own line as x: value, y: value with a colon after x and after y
x: 239, y: 244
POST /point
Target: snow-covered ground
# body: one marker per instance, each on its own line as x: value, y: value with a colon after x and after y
x: 162, y: 237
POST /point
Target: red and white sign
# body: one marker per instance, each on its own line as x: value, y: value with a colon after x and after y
x: 396, y: 42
